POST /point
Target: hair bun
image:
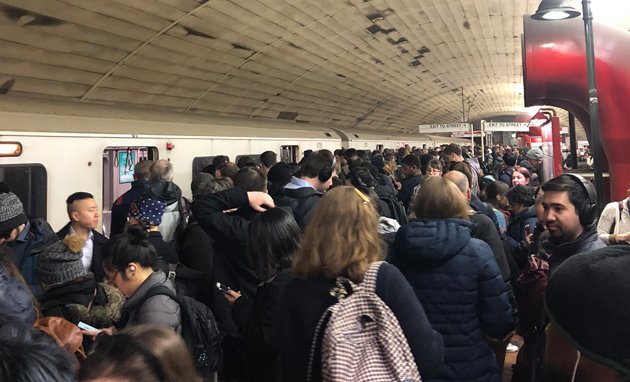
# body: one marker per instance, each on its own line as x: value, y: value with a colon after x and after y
x: 137, y: 234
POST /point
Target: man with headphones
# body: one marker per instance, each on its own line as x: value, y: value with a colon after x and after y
x: 308, y: 185
x: 569, y: 215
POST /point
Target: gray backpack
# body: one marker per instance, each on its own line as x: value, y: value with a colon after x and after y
x: 362, y: 340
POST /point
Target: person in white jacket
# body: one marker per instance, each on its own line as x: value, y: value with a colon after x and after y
x: 614, y: 222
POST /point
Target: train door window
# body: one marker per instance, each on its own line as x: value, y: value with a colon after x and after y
x: 199, y: 163
x: 255, y: 158
x: 118, y: 164
x: 289, y: 154
x: 380, y: 147
x: 30, y: 183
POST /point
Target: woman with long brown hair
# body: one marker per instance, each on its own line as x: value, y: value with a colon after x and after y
x: 341, y: 241
x: 457, y: 280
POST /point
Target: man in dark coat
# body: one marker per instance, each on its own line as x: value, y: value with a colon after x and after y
x: 569, y: 215
x: 84, y: 215
x: 413, y: 177
x: 305, y: 189
x: 139, y: 186
x: 24, y: 238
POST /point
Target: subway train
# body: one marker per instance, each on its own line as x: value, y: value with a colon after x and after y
x: 64, y: 147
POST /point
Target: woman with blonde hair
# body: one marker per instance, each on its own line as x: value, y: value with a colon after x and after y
x: 457, y: 280
x: 341, y: 242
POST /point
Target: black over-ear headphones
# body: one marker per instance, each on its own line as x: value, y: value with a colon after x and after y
x: 326, y: 172
x: 587, y: 212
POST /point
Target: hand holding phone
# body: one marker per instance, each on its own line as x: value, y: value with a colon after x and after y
x: 88, y: 328
x: 223, y: 288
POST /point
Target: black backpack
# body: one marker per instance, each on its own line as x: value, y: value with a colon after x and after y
x: 199, y: 330
x: 396, y: 208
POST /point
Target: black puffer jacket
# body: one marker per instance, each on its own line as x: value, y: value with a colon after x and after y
x: 302, y: 202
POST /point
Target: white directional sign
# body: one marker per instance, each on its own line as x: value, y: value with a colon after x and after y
x: 444, y: 128
x: 466, y: 134
x: 506, y: 126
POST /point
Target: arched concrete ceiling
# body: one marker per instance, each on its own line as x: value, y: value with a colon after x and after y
x: 373, y: 64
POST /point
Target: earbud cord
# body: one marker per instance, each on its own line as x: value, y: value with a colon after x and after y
x: 577, y: 362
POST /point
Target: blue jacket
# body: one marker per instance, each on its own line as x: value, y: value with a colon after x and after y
x: 16, y: 300
x: 515, y: 233
x: 457, y: 280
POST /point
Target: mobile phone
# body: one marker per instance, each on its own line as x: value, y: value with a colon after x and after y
x: 223, y: 288
x: 87, y: 327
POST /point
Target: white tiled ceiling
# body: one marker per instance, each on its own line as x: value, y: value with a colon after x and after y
x: 373, y: 64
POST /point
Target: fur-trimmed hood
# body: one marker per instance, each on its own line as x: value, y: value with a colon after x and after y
x: 96, y: 304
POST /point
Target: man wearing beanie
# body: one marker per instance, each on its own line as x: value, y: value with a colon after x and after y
x: 70, y: 291
x: 587, y: 339
x: 25, y: 239
x: 534, y: 163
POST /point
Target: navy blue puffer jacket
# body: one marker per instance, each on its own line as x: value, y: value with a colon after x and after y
x: 457, y: 280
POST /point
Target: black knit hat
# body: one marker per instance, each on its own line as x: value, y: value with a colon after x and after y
x: 586, y: 300
x: 280, y: 173
x: 61, y: 262
x: 11, y: 212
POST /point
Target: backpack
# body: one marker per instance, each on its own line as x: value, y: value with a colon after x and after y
x: 396, y: 208
x: 362, y: 339
x: 529, y: 290
x: 199, y: 330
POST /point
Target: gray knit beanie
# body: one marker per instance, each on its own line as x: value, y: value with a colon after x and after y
x: 61, y: 262
x: 11, y: 212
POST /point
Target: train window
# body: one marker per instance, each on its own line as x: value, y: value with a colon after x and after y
x: 289, y: 154
x: 255, y: 158
x: 118, y: 164
x: 30, y: 183
x: 380, y: 147
x: 199, y: 163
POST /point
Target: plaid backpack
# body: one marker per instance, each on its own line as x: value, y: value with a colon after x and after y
x: 362, y: 339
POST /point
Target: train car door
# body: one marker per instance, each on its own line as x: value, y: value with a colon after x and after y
x: 118, y: 164
x: 289, y: 154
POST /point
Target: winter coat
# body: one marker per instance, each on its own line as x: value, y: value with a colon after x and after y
x: 230, y: 234
x: 164, y: 251
x: 159, y: 309
x: 302, y: 202
x: 196, y: 251
x: 99, y: 243
x: 36, y: 236
x: 406, y: 192
x: 515, y: 233
x: 120, y: 209
x: 83, y: 299
x: 305, y: 301
x: 258, y: 324
x: 457, y: 280
x: 16, y: 301
x: 171, y: 195
x: 587, y: 241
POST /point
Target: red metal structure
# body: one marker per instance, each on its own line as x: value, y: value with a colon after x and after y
x: 554, y: 71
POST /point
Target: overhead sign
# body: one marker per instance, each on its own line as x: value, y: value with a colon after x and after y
x: 506, y: 126
x: 466, y: 134
x: 444, y: 128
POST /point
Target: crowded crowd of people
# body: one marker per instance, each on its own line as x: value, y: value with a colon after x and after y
x: 415, y: 264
